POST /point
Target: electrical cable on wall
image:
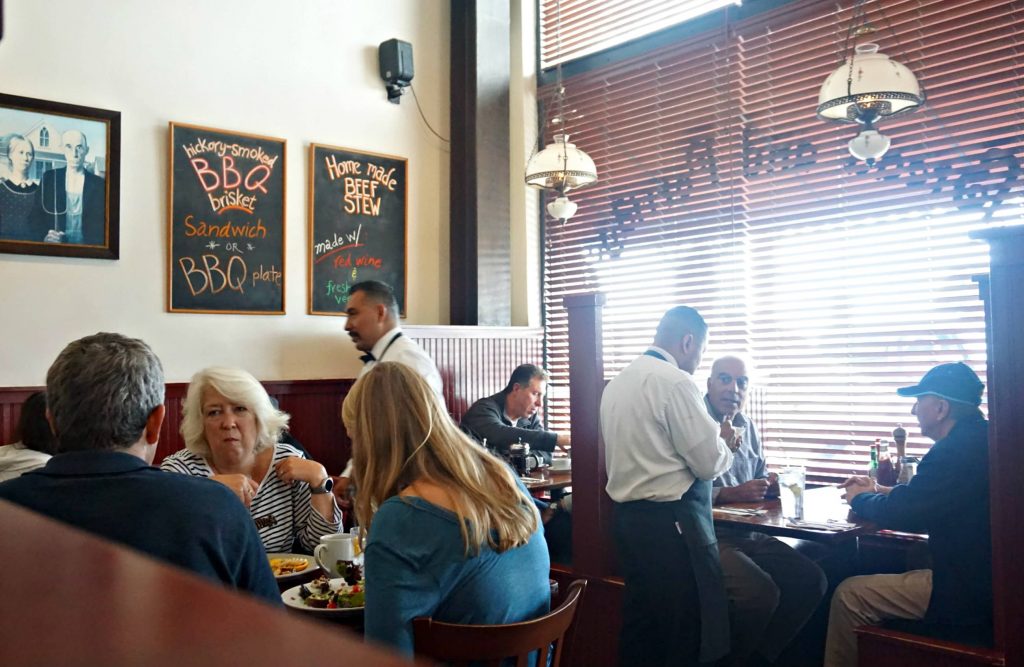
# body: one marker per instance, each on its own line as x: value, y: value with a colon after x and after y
x: 425, y: 121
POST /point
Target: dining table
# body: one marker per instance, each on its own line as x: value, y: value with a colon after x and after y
x: 75, y: 599
x: 545, y: 479
x: 826, y: 517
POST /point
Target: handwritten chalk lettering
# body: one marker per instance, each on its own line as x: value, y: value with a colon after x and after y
x: 343, y: 261
x: 225, y: 230
x: 229, y: 177
x: 385, y: 177
x: 271, y: 275
x: 213, y: 277
x: 233, y: 247
x: 340, y: 241
x: 361, y: 197
x: 368, y: 261
x: 336, y: 170
x: 222, y: 149
x: 337, y: 291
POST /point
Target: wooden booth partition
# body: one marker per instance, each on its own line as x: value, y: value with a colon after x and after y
x: 477, y: 361
x: 599, y: 617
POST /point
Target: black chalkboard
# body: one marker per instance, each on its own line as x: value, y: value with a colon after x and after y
x: 226, y: 231
x: 357, y: 224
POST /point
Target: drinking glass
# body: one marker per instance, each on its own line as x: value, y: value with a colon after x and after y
x: 792, y: 482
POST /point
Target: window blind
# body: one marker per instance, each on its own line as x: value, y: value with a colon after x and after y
x: 720, y: 189
x: 589, y: 26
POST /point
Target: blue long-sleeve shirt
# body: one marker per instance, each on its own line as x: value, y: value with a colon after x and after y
x: 416, y: 566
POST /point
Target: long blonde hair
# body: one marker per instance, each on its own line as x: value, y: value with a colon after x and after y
x: 401, y: 434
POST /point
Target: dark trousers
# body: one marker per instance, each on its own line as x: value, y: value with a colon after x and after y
x: 661, y: 610
x: 772, y: 589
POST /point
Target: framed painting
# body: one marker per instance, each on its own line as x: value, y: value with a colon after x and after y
x: 358, y: 208
x: 226, y: 222
x: 59, y: 178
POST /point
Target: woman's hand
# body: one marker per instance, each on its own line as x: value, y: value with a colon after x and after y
x: 243, y: 486
x: 296, y: 469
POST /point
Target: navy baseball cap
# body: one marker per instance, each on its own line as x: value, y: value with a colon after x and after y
x: 953, y: 382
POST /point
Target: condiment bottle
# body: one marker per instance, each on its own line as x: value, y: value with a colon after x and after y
x: 873, y: 465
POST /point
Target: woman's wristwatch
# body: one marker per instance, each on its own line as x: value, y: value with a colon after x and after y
x: 324, y: 486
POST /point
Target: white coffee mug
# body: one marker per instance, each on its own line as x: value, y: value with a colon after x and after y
x: 333, y: 548
x: 561, y: 465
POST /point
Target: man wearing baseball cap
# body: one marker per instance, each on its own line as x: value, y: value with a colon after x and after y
x: 948, y: 498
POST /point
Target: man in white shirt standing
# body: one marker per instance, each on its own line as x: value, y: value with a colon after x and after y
x: 662, y: 450
x: 372, y: 325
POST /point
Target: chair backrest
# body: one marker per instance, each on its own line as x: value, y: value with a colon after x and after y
x: 492, y: 644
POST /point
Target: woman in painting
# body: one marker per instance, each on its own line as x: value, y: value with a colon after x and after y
x: 18, y: 192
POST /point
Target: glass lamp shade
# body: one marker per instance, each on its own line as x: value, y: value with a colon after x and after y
x: 562, y: 208
x: 869, y: 146
x: 880, y: 87
x: 560, y: 166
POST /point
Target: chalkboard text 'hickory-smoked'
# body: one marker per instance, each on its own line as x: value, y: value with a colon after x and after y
x: 227, y: 222
x: 357, y: 224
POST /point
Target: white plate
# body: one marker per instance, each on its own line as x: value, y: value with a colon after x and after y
x: 310, y: 566
x: 292, y: 599
x: 556, y: 466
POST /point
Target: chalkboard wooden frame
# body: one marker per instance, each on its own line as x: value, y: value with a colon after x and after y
x: 330, y: 224
x: 44, y: 123
x: 250, y: 162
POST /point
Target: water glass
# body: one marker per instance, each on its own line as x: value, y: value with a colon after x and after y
x: 792, y: 483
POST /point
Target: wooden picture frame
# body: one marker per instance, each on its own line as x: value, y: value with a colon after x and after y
x: 226, y: 221
x: 358, y: 224
x: 44, y: 209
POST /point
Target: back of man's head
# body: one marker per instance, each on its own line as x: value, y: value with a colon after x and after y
x: 678, y: 322
x: 377, y: 292
x: 100, y: 391
x: 523, y: 374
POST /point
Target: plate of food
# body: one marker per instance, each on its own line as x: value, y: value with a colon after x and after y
x: 290, y: 566
x: 326, y: 596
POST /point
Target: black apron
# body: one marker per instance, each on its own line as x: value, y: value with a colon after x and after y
x: 693, y: 520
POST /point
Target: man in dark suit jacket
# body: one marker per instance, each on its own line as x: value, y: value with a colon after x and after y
x: 72, y: 201
x: 512, y: 415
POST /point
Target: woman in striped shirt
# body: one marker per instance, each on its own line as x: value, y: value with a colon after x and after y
x: 231, y: 432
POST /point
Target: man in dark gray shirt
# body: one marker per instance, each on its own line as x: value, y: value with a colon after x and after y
x: 772, y: 589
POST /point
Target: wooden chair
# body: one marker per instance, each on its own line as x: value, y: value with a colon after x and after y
x: 460, y: 645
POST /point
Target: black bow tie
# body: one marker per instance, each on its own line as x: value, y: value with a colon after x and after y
x: 367, y: 358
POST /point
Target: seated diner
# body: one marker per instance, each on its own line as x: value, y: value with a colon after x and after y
x: 231, y: 432
x: 450, y: 532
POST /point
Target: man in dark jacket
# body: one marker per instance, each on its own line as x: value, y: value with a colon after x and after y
x: 105, y: 402
x: 948, y: 498
x: 513, y: 415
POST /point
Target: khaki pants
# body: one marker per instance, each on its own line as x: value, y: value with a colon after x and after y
x: 869, y: 600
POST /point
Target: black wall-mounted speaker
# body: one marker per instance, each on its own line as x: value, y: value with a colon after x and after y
x: 396, y: 68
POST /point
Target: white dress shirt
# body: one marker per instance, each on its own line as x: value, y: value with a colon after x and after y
x: 658, y: 436
x: 403, y: 350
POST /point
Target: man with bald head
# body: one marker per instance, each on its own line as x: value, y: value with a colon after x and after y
x: 772, y: 589
x: 661, y: 452
x: 72, y: 201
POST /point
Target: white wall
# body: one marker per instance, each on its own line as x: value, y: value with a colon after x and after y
x: 305, y: 71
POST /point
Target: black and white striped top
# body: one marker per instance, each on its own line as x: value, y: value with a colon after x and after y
x: 281, y: 511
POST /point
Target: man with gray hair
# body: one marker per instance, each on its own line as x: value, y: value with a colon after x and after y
x: 105, y: 403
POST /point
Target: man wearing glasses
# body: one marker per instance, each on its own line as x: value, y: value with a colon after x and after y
x: 772, y: 588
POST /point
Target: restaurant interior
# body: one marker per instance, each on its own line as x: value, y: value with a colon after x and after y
x: 715, y: 167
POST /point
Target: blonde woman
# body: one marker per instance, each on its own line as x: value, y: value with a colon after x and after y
x: 18, y: 192
x: 451, y: 533
x: 232, y: 432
